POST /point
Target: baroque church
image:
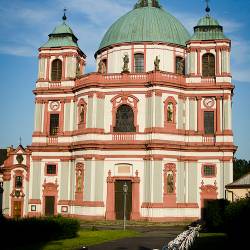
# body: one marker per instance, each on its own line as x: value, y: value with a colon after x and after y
x: 156, y: 116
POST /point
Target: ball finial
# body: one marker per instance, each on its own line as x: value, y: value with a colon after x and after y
x: 208, y: 8
x: 64, y: 15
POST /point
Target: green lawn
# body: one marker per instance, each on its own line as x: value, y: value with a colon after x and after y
x: 85, y: 238
x: 211, y: 241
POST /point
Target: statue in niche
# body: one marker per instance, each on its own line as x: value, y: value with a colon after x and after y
x: 100, y: 67
x: 157, y: 63
x: 170, y: 112
x: 82, y: 115
x: 179, y: 65
x: 125, y: 68
x: 78, y: 68
x: 79, y: 181
x: 170, y: 183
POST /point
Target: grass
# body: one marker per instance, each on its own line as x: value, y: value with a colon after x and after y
x: 85, y: 238
x: 214, y: 241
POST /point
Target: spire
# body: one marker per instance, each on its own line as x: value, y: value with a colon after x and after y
x: 20, y: 140
x: 207, y: 8
x: 64, y: 18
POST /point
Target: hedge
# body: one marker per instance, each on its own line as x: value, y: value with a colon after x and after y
x: 19, y: 231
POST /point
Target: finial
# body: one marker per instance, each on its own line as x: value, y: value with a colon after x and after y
x: 20, y: 140
x: 207, y: 8
x: 64, y: 16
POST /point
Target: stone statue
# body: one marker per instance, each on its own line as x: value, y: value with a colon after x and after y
x: 82, y: 115
x: 170, y: 183
x: 79, y: 181
x: 170, y: 112
x: 157, y: 63
x: 180, y: 66
x: 100, y: 67
x: 125, y: 68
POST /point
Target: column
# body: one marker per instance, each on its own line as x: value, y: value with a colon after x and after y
x: 199, y: 115
x: 135, y: 214
x: 218, y: 127
x: 110, y: 202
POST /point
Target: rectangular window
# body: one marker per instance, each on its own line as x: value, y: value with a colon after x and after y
x: 139, y: 63
x: 51, y: 169
x: 209, y: 122
x: 18, y: 182
x: 54, y: 124
x: 208, y: 170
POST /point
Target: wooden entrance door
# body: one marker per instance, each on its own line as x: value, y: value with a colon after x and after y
x: 49, y: 205
x: 119, y: 200
x: 17, y: 209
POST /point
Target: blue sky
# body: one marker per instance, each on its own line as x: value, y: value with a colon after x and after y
x: 25, y: 25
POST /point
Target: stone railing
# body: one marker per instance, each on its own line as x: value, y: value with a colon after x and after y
x: 153, y: 76
x: 185, y: 240
x: 124, y: 136
x: 209, y: 139
x: 52, y: 140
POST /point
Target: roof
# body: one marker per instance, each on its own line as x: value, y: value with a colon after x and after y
x: 61, y: 36
x: 244, y: 181
x: 3, y: 156
x: 147, y: 22
x: 208, y: 28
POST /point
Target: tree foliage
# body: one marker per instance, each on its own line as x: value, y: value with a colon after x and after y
x: 241, y: 167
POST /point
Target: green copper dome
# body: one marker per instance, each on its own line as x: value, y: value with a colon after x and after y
x: 62, y: 36
x: 208, y: 28
x: 147, y: 22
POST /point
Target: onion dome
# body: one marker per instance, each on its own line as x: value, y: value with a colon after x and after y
x: 147, y: 22
x: 62, y: 36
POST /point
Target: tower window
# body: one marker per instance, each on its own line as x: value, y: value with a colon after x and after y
x: 18, y: 182
x: 54, y: 124
x: 139, y: 63
x: 124, y: 119
x: 56, y: 71
x: 208, y: 65
x: 180, y: 66
x: 209, y: 122
x: 51, y: 169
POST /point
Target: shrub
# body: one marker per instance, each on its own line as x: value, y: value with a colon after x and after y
x: 215, y: 215
x: 237, y: 221
x: 37, y: 229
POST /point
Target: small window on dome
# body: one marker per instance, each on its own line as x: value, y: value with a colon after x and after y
x: 56, y: 70
x: 139, y: 63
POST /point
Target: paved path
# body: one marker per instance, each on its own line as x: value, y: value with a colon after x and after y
x: 151, y: 238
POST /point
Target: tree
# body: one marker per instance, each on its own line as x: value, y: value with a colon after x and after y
x: 240, y: 168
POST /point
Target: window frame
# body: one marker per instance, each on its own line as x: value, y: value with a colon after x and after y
x: 50, y: 128
x: 136, y: 66
x: 213, y: 174
x: 204, y: 123
x: 46, y: 169
x: 115, y: 125
x: 56, y: 70
x: 17, y: 186
x: 206, y: 74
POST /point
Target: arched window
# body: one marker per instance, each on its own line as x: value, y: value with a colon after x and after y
x: 208, y: 65
x: 180, y: 65
x: 56, y: 70
x: 124, y: 119
x: 139, y: 63
x: 18, y: 182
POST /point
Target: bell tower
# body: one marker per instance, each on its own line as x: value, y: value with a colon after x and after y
x: 61, y: 60
x: 209, y: 52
